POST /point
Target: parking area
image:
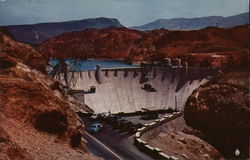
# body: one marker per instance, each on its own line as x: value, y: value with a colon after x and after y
x: 124, y: 122
x: 115, y: 122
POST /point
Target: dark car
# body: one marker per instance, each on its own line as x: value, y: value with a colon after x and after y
x: 139, y: 125
x: 97, y: 117
x: 112, y: 118
x: 132, y: 128
x: 124, y: 125
x: 117, y: 122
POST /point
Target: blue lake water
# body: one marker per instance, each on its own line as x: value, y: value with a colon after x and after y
x: 85, y: 65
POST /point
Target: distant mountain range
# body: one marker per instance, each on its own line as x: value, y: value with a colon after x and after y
x: 37, y: 33
x: 196, y: 23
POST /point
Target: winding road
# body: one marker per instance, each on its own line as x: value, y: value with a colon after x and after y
x: 112, y: 144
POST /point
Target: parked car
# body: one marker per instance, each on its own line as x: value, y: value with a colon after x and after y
x: 96, y: 127
x: 132, y: 129
x: 112, y: 118
x: 106, y: 116
x: 139, y: 125
x: 117, y: 122
x: 124, y: 125
x: 93, y: 117
x: 96, y: 117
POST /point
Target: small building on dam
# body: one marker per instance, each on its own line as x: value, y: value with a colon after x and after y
x: 131, y: 89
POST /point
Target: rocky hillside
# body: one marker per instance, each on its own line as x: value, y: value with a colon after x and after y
x: 111, y: 43
x: 37, y: 120
x: 37, y: 33
x: 196, y: 23
x: 220, y: 110
x: 209, y: 46
x: 24, y: 52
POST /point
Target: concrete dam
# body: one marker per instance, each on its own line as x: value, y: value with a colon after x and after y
x: 122, y: 89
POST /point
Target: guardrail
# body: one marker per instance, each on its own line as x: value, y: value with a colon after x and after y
x: 159, y: 111
x: 145, y: 147
x: 135, y: 113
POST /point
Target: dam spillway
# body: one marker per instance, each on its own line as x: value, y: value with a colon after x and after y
x: 120, y: 90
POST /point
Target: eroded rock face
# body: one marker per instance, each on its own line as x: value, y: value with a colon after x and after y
x: 38, y: 121
x: 24, y: 52
x: 220, y: 109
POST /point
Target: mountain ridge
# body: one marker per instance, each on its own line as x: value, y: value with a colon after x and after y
x: 196, y: 23
x: 37, y: 33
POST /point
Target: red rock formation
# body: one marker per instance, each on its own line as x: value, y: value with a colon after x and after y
x: 123, y: 43
x: 37, y: 120
x: 24, y: 52
x: 220, y: 109
x: 111, y: 43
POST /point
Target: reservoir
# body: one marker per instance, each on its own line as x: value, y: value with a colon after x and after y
x: 87, y: 65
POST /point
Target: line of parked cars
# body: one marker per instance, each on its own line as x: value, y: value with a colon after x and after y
x: 115, y: 121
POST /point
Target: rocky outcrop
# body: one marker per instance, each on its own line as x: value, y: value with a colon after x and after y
x: 36, y: 116
x: 24, y: 52
x: 210, y: 46
x: 220, y: 109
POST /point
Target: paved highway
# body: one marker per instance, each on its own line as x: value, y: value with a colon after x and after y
x: 112, y: 144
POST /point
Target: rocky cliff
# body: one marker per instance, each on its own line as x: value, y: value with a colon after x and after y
x: 220, y: 110
x: 36, y: 116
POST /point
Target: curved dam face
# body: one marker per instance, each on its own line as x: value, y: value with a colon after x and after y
x: 121, y: 90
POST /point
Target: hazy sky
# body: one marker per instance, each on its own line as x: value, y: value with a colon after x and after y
x: 129, y: 12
